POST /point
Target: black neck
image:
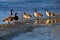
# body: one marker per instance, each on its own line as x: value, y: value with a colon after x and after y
x: 24, y: 12
x: 11, y: 12
x: 35, y: 10
x: 47, y: 10
x: 15, y: 14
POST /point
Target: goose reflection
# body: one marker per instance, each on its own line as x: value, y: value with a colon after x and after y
x: 50, y: 21
x: 37, y: 21
x: 27, y: 21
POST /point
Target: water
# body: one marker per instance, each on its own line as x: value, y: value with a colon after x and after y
x: 28, y: 6
x: 21, y: 6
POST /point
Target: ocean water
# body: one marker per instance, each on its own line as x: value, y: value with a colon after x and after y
x: 44, y: 32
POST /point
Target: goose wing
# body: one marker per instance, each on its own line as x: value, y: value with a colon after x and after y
x: 8, y: 19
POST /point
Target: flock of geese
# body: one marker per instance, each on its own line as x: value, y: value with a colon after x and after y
x: 11, y: 17
x: 26, y: 16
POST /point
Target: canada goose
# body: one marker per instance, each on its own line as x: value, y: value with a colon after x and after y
x: 16, y: 17
x: 9, y: 19
x: 49, y: 14
x: 26, y: 16
x: 37, y: 15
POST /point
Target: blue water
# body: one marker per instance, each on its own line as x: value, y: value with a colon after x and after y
x: 28, y: 6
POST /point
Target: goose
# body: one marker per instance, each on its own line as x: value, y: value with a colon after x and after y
x: 37, y: 15
x: 49, y: 14
x: 27, y: 16
x: 16, y: 18
x: 10, y: 18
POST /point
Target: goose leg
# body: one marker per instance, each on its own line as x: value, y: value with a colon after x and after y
x: 8, y: 22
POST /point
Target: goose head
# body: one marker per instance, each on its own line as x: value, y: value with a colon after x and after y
x: 35, y: 10
x: 47, y: 10
x: 24, y: 12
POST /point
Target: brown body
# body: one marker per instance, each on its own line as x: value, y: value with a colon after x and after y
x: 8, y: 19
x: 26, y: 16
x: 49, y: 14
x: 37, y: 15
